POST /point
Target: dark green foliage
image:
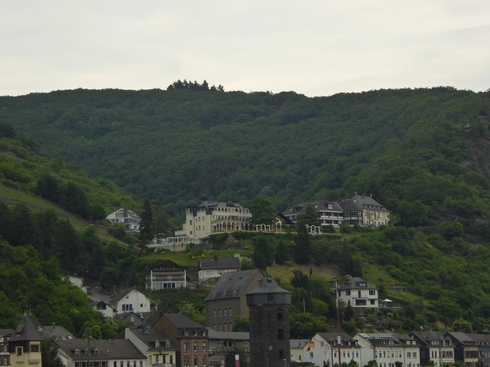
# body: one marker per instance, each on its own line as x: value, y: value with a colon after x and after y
x: 147, y: 233
x: 50, y: 356
x: 400, y: 145
x: 263, y: 211
x: 263, y: 255
x: 302, y: 249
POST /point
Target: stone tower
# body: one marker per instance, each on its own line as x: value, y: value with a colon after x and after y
x: 269, y: 325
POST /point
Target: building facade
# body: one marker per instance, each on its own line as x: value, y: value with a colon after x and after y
x: 129, y: 218
x: 359, y: 294
x: 166, y: 275
x: 207, y: 217
x: 190, y: 338
x: 434, y: 347
x: 24, y: 344
x: 269, y: 325
x: 228, y: 298
x: 215, y: 267
x: 158, y: 349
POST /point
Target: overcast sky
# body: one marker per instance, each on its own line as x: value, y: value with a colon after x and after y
x: 313, y: 47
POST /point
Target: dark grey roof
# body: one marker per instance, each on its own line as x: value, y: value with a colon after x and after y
x: 232, y: 284
x: 56, y: 332
x: 298, y: 343
x: 26, y: 330
x: 147, y: 336
x: 6, y: 332
x: 219, y: 263
x: 461, y: 337
x: 427, y: 337
x: 100, y: 349
x: 181, y: 321
x: 167, y: 264
x: 354, y: 283
x: 480, y: 339
x: 361, y: 202
x: 268, y: 285
x: 332, y: 337
x: 228, y: 335
x: 317, y: 205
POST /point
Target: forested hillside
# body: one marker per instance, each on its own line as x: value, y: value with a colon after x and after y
x: 406, y: 147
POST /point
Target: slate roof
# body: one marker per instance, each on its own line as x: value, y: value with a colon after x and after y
x: 219, y: 263
x: 6, y: 332
x: 298, y: 343
x: 232, y: 284
x: 426, y: 337
x: 353, y: 283
x: 317, y: 205
x: 461, y: 337
x: 106, y: 349
x: 181, y: 321
x: 331, y: 337
x: 147, y: 336
x: 361, y: 202
x: 268, y: 285
x: 56, y: 332
x: 26, y: 330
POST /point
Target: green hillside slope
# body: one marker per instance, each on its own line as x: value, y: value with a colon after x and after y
x: 169, y: 146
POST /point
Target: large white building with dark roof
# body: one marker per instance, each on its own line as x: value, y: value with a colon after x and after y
x: 359, y: 294
x: 207, y: 217
x: 359, y: 210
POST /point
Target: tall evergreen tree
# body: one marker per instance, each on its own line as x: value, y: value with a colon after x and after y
x: 146, y: 224
x: 302, y: 249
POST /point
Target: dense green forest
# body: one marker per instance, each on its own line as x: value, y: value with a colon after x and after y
x: 422, y: 153
x: 406, y: 147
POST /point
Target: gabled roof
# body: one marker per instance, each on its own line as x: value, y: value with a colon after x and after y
x: 356, y: 283
x: 361, y: 202
x: 317, y: 205
x: 181, y: 321
x: 100, y: 349
x: 219, y: 263
x: 268, y: 285
x: 298, y: 343
x: 127, y: 213
x: 6, y: 332
x: 461, y: 337
x: 149, y: 336
x: 426, y: 337
x: 26, y: 330
x: 166, y: 265
x: 232, y: 284
x: 333, y: 337
x: 123, y: 293
x: 56, y: 332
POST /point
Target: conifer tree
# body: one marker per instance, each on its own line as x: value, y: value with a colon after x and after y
x: 146, y: 224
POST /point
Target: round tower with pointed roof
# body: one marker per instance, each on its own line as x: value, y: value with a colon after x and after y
x: 269, y: 325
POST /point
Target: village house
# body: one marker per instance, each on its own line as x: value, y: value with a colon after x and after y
x: 129, y: 218
x: 331, y: 348
x: 207, y: 217
x: 24, y: 344
x: 228, y: 298
x: 127, y: 300
x: 329, y: 213
x: 158, y: 349
x: 297, y: 349
x: 190, y: 338
x: 388, y: 349
x: 224, y: 346
x: 466, y: 349
x: 434, y: 347
x: 359, y: 210
x: 166, y: 275
x: 359, y: 294
x: 215, y: 267
x: 100, y: 353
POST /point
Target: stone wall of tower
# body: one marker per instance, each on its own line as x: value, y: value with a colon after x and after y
x: 269, y: 335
